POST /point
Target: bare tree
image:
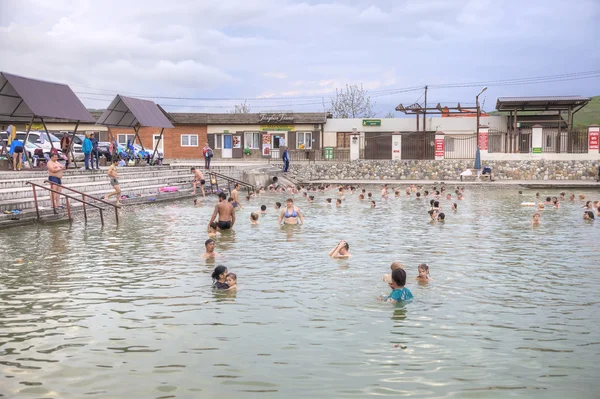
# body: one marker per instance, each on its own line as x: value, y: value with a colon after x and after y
x: 351, y: 102
x: 241, y: 108
x: 390, y: 115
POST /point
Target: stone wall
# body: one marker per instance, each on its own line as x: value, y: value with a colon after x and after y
x: 445, y: 170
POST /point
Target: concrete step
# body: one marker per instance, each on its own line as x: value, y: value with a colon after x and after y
x: 134, y: 192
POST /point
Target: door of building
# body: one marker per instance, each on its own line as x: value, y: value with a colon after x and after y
x: 278, y: 140
x: 227, y: 146
x: 161, y: 147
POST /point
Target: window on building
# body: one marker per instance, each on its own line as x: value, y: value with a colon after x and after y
x: 449, y: 144
x: 252, y: 140
x: 548, y: 141
x: 218, y: 141
x: 343, y: 139
x: 304, y: 140
x: 123, y: 138
x: 189, y: 140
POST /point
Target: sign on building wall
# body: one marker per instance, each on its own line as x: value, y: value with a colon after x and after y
x: 371, y: 122
x: 536, y: 150
x: 237, y: 141
x: 483, y: 141
x: 266, y: 145
x: 277, y: 128
x: 593, y: 140
x: 439, y: 147
x: 275, y: 117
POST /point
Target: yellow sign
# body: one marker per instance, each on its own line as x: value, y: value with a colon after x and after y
x: 277, y: 128
x: 36, y: 126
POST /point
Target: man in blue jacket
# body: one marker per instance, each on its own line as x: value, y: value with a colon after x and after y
x: 286, y: 160
x: 87, y: 150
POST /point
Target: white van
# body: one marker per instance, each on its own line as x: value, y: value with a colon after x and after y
x: 37, y: 138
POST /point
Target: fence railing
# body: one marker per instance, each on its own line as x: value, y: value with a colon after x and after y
x: 324, y: 154
x: 553, y: 141
x: 463, y: 146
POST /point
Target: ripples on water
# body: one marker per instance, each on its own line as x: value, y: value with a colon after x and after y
x: 128, y: 311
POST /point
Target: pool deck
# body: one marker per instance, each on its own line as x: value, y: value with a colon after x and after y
x: 500, y: 183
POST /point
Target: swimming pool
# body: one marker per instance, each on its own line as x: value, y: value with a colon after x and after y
x: 127, y: 311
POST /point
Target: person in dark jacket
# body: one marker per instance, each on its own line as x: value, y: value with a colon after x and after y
x: 95, y: 153
x: 286, y: 160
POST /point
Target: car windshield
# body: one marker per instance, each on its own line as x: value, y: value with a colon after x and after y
x: 52, y: 137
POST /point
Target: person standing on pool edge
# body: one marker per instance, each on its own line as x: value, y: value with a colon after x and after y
x: 286, y: 160
x: 226, y: 213
x: 208, y: 154
x: 198, y: 179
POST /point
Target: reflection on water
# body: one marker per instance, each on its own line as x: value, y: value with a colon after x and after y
x: 128, y: 311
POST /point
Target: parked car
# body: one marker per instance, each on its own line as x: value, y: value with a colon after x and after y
x: 104, y: 150
x: 36, y: 138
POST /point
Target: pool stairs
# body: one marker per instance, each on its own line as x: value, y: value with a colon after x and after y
x: 141, y: 184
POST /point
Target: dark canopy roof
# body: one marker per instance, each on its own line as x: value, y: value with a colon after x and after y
x: 540, y: 103
x: 129, y: 112
x: 25, y: 97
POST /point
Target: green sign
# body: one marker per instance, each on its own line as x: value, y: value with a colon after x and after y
x: 371, y: 122
x: 537, y: 150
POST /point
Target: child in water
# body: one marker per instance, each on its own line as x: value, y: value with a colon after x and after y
x: 254, y: 218
x: 231, y: 281
x: 399, y: 291
x: 423, y: 272
x: 212, y: 230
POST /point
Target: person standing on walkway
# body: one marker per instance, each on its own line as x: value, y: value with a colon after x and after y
x: 95, y: 154
x: 286, y: 160
x: 65, y: 142
x: 16, y: 150
x: 198, y: 179
x: 87, y: 150
x: 208, y: 154
x: 55, y: 174
x: 114, y: 181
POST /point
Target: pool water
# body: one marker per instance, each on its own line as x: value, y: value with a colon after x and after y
x: 128, y: 311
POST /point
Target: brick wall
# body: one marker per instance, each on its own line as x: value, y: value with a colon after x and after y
x: 171, y: 140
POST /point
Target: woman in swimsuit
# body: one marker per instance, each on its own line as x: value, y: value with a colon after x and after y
x: 291, y: 213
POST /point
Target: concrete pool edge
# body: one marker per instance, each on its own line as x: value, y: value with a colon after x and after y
x: 498, y: 183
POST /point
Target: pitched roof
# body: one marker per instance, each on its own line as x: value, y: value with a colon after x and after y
x: 129, y: 112
x: 245, y: 119
x: 22, y: 97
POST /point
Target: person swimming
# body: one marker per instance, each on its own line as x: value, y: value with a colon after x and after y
x: 399, y: 291
x: 291, y: 214
x: 341, y: 250
x: 441, y: 217
x: 588, y: 215
x: 231, y: 281
x: 254, y: 218
x: 536, y: 219
x: 423, y: 270
x: 219, y: 277
x: 394, y: 266
x: 213, y: 230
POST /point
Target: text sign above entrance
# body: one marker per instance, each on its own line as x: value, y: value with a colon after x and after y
x: 371, y: 122
x: 275, y: 117
x: 277, y: 128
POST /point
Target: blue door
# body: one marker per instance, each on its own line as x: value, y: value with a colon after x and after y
x: 227, y: 145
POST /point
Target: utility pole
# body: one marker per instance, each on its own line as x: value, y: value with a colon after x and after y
x: 425, y: 113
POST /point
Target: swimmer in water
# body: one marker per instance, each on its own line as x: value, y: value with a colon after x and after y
x: 263, y: 209
x: 361, y: 197
x: 340, y: 250
x: 254, y: 218
x: 226, y: 213
x: 441, y: 217
x: 328, y: 201
x: 210, y: 249
x: 454, y: 207
x: 571, y: 197
x: 394, y: 266
x: 536, y: 219
x: 372, y: 204
x: 384, y: 192
x: 231, y: 281
x: 234, y: 195
x: 448, y: 196
x: 277, y: 205
x: 311, y: 198
x: 399, y: 291
x: 219, y: 277
x: 291, y: 214
x: 432, y: 215
x: 338, y: 203
x: 423, y: 272
x: 213, y: 230
x: 588, y: 215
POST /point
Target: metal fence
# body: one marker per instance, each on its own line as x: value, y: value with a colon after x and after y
x: 573, y: 142
x: 463, y: 146
x: 324, y: 154
x: 418, y: 145
x: 497, y: 141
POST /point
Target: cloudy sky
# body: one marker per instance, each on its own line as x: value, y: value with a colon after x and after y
x: 263, y: 50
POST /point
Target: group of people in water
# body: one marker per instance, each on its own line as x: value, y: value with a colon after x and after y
x: 591, y: 209
x: 224, y: 218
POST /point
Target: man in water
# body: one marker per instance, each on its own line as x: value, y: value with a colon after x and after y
x: 226, y: 213
x: 55, y: 174
x: 198, y: 179
x: 384, y: 192
x: 114, y: 182
x: 234, y: 196
x: 209, y: 245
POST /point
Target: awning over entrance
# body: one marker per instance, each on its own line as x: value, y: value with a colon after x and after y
x: 29, y: 98
x: 557, y: 103
x: 133, y: 112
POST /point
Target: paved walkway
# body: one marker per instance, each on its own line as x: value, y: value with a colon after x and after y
x: 512, y: 183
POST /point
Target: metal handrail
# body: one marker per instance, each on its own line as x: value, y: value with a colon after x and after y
x: 83, y: 195
x: 37, y: 210
x: 249, y: 187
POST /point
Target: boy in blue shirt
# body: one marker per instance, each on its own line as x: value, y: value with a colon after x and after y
x: 399, y: 291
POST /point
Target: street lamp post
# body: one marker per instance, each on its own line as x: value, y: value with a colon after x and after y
x: 478, y: 110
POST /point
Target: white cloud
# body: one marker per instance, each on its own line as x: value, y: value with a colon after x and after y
x: 279, y: 48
